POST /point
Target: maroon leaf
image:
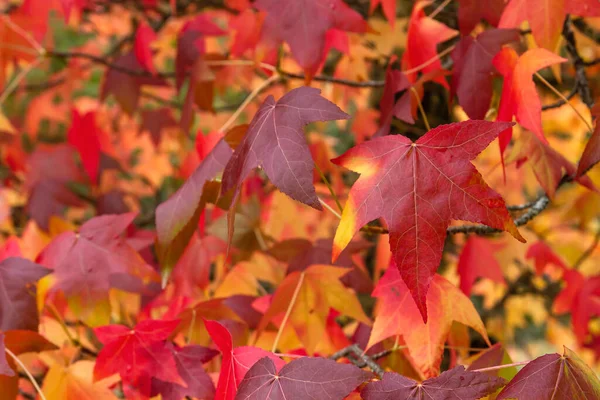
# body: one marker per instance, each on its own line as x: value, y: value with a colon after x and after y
x: 395, y: 81
x: 453, y: 384
x: 555, y: 377
x: 306, y: 377
x: 473, y: 69
x: 18, y: 307
x: 303, y: 24
x: 88, y: 263
x: 275, y: 142
x: 470, y: 12
x: 5, y: 369
x: 189, y: 360
x: 154, y: 121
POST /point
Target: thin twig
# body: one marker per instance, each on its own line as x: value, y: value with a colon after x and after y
x: 497, y: 367
x: 324, y: 178
x: 583, y: 84
x: 561, y: 102
x: 353, y: 349
x: 421, y: 109
x: 439, y: 8
x: 29, y: 375
x: 20, y: 76
x: 328, y: 207
x: 588, y: 252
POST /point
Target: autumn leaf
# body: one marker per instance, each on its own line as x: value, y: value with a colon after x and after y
x: 395, y: 81
x: 88, y: 263
x: 74, y: 382
x: 455, y: 383
x: 18, y: 277
x: 236, y: 361
x: 424, y: 35
x: 316, y: 378
x: 557, y: 377
x: 473, y: 70
x: 290, y: 22
x: 276, y: 143
x: 85, y: 135
x: 477, y: 261
x: 189, y: 360
x: 397, y: 314
x: 388, y: 7
x: 471, y: 12
x: 591, y: 153
x: 156, y: 121
x: 138, y: 355
x: 545, y: 17
x: 144, y: 37
x: 543, y: 255
x: 418, y: 188
x: 318, y: 290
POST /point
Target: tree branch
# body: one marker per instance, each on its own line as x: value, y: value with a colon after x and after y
x: 583, y: 85
x: 361, y: 359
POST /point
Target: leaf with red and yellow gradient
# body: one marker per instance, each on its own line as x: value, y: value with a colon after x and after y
x: 591, y: 153
x: 74, y: 382
x: 387, y: 6
x: 311, y: 294
x: 424, y: 35
x: 397, y: 314
x: 519, y: 96
x: 418, y: 188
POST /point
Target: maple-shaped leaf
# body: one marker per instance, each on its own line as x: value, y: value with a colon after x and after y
x: 556, y: 377
x: 177, y: 218
x: 519, y: 96
x: 473, y: 70
x: 395, y: 81
x: 319, y: 291
x: 591, y: 153
x: 470, y: 12
x: 548, y: 165
x: 155, y: 121
x: 397, y: 314
x: 144, y: 36
x: 543, y: 255
x: 189, y: 360
x: 545, y: 17
x: 424, y: 35
x: 49, y: 171
x: 88, y: 263
x: 5, y: 369
x: 275, y: 142
x: 303, y: 24
x: 236, y: 361
x: 75, y: 382
x: 125, y: 86
x: 418, y: 188
x: 477, y: 261
x: 452, y: 384
x: 137, y: 354
x: 388, y: 7
x: 308, y: 377
x: 18, y: 309
x: 84, y: 134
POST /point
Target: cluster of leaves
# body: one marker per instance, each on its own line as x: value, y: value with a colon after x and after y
x: 187, y: 211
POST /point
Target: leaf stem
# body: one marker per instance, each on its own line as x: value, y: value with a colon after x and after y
x: 288, y: 311
x: 10, y: 88
x: 29, y: 375
x: 335, y: 198
x: 439, y: 9
x: 328, y: 207
x: 248, y: 100
x: 421, y: 109
x: 563, y: 98
x: 430, y: 61
x: 497, y: 367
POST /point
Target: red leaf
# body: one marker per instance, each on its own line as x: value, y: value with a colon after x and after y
x: 424, y: 34
x: 418, y: 188
x: 189, y: 360
x: 236, y: 362
x: 591, y: 153
x: 388, y: 7
x: 395, y: 81
x: 397, y: 314
x: 473, y: 69
x: 144, y: 37
x: 85, y: 135
x: 5, y: 369
x: 519, y: 96
x: 543, y: 255
x: 470, y: 12
x: 18, y: 308
x: 308, y: 377
x: 452, y: 384
x: 88, y: 263
x: 303, y: 24
x: 477, y: 261
x: 275, y: 142
x: 137, y: 354
x: 556, y: 377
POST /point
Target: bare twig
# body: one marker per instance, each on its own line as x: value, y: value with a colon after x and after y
x: 562, y: 102
x: 588, y: 252
x: 583, y: 85
x: 361, y: 358
x: 29, y: 375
